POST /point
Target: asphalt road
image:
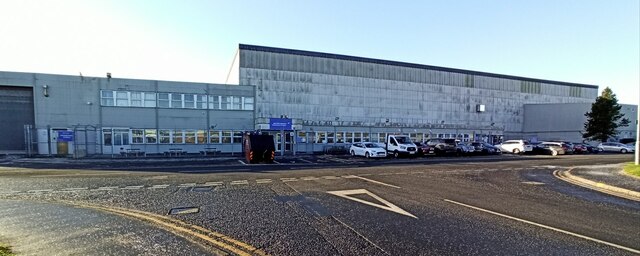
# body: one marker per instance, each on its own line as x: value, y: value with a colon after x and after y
x: 469, y: 206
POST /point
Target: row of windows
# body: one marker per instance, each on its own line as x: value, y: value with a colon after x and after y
x: 174, y: 100
x: 193, y: 136
x: 355, y: 137
x: 168, y: 136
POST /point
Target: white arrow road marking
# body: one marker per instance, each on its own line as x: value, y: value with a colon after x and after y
x: 370, y: 180
x: 387, y: 205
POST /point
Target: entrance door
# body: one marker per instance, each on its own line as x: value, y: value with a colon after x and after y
x: 115, y: 140
x: 288, y: 141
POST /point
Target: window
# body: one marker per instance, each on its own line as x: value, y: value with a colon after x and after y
x: 357, y: 137
x: 190, y: 136
x: 189, y: 101
x: 247, y: 103
x: 150, y: 136
x: 321, y: 137
x: 106, y: 137
x: 201, y: 137
x: 365, y: 137
x: 163, y: 100
x: 137, y: 136
x: 201, y: 101
x: 232, y: 102
x: 349, y: 137
x: 214, y: 136
x: 149, y: 99
x: 106, y: 98
x: 302, y: 137
x: 122, y: 99
x: 382, y: 137
x: 226, y: 136
x: 164, y: 136
x: 339, y: 137
x: 237, y: 137
x: 177, y: 137
x: 176, y: 100
x: 330, y: 137
x: 214, y: 102
x: 136, y: 99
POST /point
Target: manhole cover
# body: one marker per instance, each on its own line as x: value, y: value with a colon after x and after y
x: 202, y: 189
x: 184, y: 210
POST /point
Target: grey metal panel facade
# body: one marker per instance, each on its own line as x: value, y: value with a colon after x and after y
x: 313, y: 88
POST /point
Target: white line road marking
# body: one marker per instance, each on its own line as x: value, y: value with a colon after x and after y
x: 242, y: 162
x: 75, y: 189
x: 306, y: 161
x: 349, y: 176
x: 186, y: 185
x: 159, y: 186
x: 239, y: 182
x: 276, y: 162
x: 365, y: 174
x: 213, y: 183
x: 107, y: 188
x: 400, y: 173
x: 330, y: 177
x: 417, y: 172
x: 262, y: 181
x: 40, y: 191
x: 309, y: 178
x: 532, y: 183
x: 133, y: 187
x: 544, y: 226
x: 375, y: 181
x: 288, y: 179
x: 9, y: 192
x: 387, y: 205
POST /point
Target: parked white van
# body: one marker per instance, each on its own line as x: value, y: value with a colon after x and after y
x: 515, y: 146
x: 397, y: 145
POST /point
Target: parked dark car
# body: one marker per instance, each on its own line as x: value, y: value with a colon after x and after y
x: 485, y: 148
x: 424, y: 149
x: 443, y: 146
x: 548, y: 148
x: 579, y: 148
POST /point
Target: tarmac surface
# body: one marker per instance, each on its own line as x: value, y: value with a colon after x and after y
x: 504, y: 205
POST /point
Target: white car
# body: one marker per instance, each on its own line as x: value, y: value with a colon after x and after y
x: 515, y: 146
x: 615, y: 147
x: 367, y: 149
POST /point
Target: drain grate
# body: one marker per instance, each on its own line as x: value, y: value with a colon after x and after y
x: 184, y: 210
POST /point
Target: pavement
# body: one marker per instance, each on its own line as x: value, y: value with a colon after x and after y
x: 605, y: 178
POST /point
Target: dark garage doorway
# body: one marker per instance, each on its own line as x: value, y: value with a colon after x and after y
x: 16, y: 111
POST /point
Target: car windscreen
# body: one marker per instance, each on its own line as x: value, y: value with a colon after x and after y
x: 403, y: 140
x: 370, y: 145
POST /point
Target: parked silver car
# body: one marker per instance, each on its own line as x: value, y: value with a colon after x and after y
x: 615, y: 147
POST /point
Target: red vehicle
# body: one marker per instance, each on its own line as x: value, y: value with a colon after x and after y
x: 580, y: 149
x: 424, y: 149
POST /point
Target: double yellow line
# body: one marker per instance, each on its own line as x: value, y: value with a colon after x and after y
x: 200, y: 235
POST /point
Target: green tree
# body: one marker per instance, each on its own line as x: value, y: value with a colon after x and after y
x: 605, y: 118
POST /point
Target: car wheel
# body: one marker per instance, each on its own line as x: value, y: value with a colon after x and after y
x: 353, y: 153
x: 623, y: 151
x: 554, y: 153
x: 396, y: 154
x: 367, y: 155
x: 516, y: 151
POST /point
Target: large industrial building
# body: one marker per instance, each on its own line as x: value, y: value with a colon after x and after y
x: 310, y: 101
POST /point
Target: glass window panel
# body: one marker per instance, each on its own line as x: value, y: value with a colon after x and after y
x: 339, y: 137
x: 164, y: 136
x: 214, y: 136
x: 122, y: 99
x: 189, y: 101
x: 214, y: 102
x: 106, y: 137
x: 137, y: 136
x: 106, y: 98
x: 247, y: 103
x: 149, y: 99
x: 136, y: 99
x: 177, y: 136
x: 201, y: 101
x: 357, y: 137
x: 176, y: 100
x: 330, y: 137
x: 190, y: 136
x: 163, y: 100
x: 237, y: 137
x: 150, y: 136
x: 201, y: 136
x: 226, y: 137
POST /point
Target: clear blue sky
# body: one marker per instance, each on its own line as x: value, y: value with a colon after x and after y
x: 583, y: 41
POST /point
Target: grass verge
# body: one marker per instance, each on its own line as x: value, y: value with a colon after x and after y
x: 5, y: 250
x: 631, y: 168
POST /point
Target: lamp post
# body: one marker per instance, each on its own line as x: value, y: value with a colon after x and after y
x: 637, y: 134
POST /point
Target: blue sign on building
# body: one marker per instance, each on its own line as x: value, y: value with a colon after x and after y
x: 65, y: 136
x: 280, y: 124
